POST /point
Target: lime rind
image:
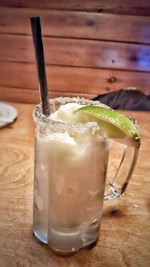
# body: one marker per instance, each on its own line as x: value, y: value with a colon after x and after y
x: 115, y: 125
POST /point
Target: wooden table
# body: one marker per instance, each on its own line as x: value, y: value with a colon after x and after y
x: 125, y: 230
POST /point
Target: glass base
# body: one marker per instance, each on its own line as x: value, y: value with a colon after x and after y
x: 61, y: 253
x: 41, y: 238
x: 72, y: 253
x: 92, y: 245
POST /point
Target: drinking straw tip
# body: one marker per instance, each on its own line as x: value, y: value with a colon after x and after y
x: 39, y: 53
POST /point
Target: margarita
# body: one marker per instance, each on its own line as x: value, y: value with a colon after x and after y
x: 71, y: 157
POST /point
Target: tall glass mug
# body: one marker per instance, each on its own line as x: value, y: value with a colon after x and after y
x: 69, y: 184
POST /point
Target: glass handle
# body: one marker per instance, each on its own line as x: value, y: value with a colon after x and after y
x: 118, y: 185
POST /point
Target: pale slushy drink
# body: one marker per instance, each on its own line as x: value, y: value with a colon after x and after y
x: 70, y: 168
x: 71, y: 158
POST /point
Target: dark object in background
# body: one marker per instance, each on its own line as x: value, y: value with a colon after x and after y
x: 126, y: 99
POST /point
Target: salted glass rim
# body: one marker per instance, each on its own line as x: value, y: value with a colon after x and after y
x: 38, y: 116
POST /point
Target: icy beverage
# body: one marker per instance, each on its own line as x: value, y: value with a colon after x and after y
x: 70, y: 168
x: 71, y: 157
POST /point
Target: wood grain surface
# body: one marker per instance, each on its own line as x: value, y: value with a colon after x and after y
x: 91, y: 47
x: 78, y: 53
x: 142, y: 7
x: 83, y: 25
x: 125, y: 231
x: 70, y: 79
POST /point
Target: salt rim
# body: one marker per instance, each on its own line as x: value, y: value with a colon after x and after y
x: 37, y: 112
x: 57, y: 126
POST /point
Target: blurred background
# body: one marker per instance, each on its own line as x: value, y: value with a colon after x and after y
x: 91, y: 47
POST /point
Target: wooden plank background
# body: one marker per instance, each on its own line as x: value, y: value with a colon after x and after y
x: 91, y: 47
x: 140, y: 7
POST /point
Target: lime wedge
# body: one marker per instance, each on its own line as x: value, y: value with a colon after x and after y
x: 114, y: 124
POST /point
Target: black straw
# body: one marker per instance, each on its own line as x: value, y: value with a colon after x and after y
x: 39, y: 54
